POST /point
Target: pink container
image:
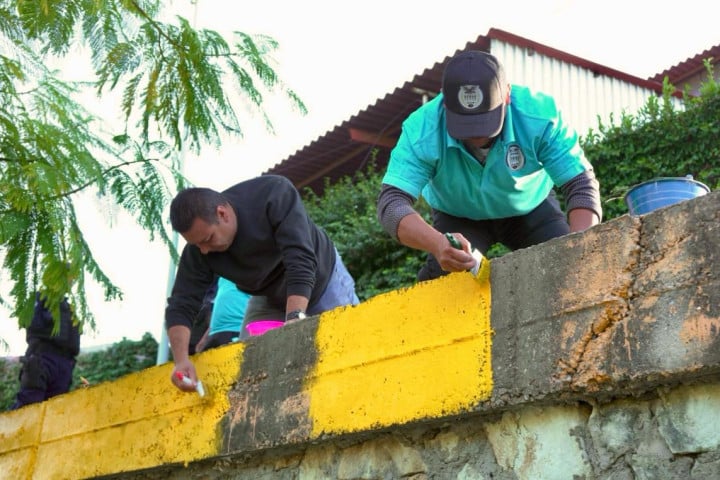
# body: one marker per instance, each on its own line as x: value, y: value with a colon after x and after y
x: 259, y: 327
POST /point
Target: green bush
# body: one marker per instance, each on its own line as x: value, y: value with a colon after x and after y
x: 9, y: 381
x: 126, y: 356
x: 659, y: 141
x: 347, y: 211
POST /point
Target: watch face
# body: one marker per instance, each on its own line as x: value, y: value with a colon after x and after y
x: 296, y: 315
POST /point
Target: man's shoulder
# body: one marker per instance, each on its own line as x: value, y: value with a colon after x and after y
x: 260, y: 179
x: 428, y: 112
x: 421, y: 127
x: 268, y: 181
x: 532, y: 102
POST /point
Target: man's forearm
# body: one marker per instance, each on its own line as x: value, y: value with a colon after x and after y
x: 581, y: 219
x: 296, y: 302
x: 414, y: 232
x: 392, y: 206
x: 179, y: 336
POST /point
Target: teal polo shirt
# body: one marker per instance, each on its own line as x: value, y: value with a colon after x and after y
x: 229, y: 308
x: 535, y: 151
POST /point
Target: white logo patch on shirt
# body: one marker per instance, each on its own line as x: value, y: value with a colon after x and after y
x: 514, y: 158
x: 470, y: 96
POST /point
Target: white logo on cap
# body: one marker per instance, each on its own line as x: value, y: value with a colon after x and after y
x: 470, y: 96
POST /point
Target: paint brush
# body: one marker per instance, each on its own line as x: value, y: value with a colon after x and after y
x: 480, y: 260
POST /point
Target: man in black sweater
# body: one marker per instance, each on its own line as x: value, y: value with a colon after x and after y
x: 258, y: 235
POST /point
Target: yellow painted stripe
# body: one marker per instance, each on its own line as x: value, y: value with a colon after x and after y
x: 21, y: 428
x: 139, y: 421
x: 17, y: 465
x: 422, y: 352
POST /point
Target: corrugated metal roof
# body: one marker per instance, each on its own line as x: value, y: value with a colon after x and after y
x: 349, y: 146
x: 685, y: 70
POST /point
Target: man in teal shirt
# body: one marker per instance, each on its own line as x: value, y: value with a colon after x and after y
x: 486, y: 156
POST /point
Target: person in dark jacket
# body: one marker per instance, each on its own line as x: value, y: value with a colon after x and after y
x: 258, y: 235
x: 49, y: 360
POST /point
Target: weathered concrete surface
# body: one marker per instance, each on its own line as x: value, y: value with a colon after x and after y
x: 620, y: 309
x: 596, y: 356
x: 626, y: 439
x: 553, y: 305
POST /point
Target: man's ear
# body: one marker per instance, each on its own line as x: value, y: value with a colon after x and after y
x: 222, y: 213
x: 507, y: 95
x: 225, y: 213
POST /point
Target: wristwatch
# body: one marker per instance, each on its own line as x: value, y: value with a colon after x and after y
x: 295, y: 315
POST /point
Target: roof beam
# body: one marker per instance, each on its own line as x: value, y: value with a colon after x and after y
x: 374, y: 139
x: 330, y: 167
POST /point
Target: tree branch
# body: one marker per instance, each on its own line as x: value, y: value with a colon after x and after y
x: 152, y: 22
x: 86, y: 185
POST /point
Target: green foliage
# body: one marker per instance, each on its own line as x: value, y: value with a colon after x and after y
x: 173, y: 76
x: 180, y: 88
x: 9, y: 381
x: 347, y: 211
x: 661, y: 140
x: 120, y: 359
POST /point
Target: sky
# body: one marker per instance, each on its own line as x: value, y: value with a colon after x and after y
x: 340, y: 57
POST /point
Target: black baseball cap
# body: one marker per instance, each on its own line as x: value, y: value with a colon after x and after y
x: 473, y: 88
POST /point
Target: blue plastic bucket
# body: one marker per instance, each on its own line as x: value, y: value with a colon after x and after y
x: 648, y: 196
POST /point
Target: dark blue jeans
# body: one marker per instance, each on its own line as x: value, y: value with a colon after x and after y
x: 43, y: 375
x: 545, y: 222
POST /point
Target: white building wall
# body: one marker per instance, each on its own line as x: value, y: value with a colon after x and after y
x: 581, y: 94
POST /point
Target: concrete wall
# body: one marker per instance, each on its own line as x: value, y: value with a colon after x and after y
x: 596, y: 355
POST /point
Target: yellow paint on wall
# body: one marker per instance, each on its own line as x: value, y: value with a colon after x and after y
x: 21, y: 428
x: 17, y: 465
x: 175, y: 437
x: 421, y: 352
x: 138, y: 421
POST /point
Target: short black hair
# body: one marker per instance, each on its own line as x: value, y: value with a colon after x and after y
x: 192, y: 203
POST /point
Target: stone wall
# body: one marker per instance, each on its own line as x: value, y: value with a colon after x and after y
x: 592, y: 356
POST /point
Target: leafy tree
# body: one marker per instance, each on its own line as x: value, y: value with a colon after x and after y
x: 180, y: 88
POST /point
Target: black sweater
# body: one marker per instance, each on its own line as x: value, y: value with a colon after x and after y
x: 277, y: 251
